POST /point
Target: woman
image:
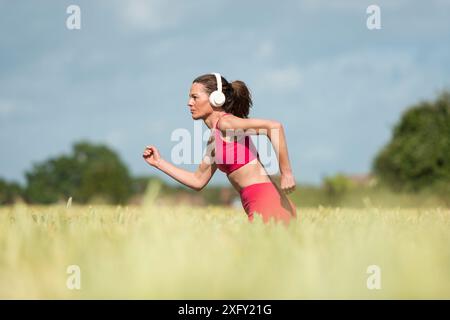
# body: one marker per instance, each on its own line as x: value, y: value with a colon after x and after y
x: 224, y: 107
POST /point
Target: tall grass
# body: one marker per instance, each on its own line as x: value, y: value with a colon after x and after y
x: 162, y: 252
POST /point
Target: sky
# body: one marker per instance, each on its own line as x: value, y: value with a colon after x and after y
x: 123, y: 78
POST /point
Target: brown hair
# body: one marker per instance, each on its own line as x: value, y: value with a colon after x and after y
x: 238, y: 99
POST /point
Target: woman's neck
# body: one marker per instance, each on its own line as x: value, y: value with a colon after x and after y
x: 213, y: 117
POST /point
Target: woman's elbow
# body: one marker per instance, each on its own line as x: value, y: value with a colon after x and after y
x: 276, y: 125
x: 199, y: 186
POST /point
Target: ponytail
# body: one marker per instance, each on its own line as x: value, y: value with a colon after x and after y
x: 238, y: 99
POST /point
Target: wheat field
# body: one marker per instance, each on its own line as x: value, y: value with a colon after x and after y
x: 180, y: 252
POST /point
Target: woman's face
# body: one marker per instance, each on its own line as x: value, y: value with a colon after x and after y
x: 199, y: 102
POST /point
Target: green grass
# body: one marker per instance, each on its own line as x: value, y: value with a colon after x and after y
x: 160, y: 252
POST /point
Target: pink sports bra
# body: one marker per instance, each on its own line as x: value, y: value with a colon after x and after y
x: 230, y: 156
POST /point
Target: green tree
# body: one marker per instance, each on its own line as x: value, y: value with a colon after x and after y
x: 418, y: 155
x: 90, y: 172
x: 9, y: 192
x: 336, y: 187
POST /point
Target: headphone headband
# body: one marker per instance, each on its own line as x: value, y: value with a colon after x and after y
x: 219, y: 81
x: 217, y: 98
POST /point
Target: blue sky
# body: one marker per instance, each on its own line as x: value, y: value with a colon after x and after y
x: 123, y: 79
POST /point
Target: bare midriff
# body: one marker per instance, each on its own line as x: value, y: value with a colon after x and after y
x: 253, y: 172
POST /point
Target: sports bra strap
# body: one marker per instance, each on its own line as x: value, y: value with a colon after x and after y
x: 220, y: 118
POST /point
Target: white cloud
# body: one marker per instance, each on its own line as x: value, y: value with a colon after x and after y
x: 352, y: 80
x: 265, y: 49
x: 116, y: 139
x: 280, y: 80
x: 15, y: 107
x: 152, y: 15
x: 353, y: 5
x: 6, y: 108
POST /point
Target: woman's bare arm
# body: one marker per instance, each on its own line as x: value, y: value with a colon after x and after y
x: 183, y: 176
x: 204, y: 172
x: 273, y: 129
x: 275, y: 132
x: 195, y: 180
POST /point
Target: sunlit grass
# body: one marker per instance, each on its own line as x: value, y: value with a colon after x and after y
x: 161, y: 252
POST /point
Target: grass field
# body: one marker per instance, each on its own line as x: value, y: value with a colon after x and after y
x: 162, y: 252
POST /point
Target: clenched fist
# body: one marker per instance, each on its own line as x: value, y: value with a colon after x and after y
x: 287, y: 183
x: 151, y: 156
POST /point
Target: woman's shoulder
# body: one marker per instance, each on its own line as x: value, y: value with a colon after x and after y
x: 220, y: 120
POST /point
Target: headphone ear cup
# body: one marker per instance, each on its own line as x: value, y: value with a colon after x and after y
x: 211, y: 99
x: 217, y: 99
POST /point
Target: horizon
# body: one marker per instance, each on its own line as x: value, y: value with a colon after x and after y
x: 336, y: 86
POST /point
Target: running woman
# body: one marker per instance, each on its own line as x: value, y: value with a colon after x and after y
x: 224, y: 107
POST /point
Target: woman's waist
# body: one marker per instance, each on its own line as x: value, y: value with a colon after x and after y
x: 252, y: 173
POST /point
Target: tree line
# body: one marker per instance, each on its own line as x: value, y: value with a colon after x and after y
x: 416, y: 158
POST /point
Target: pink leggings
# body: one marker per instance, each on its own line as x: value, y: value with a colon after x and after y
x: 265, y: 199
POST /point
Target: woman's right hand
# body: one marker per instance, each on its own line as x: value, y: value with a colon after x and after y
x: 151, y: 156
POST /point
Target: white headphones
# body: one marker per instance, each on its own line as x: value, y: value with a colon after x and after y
x: 217, y: 98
